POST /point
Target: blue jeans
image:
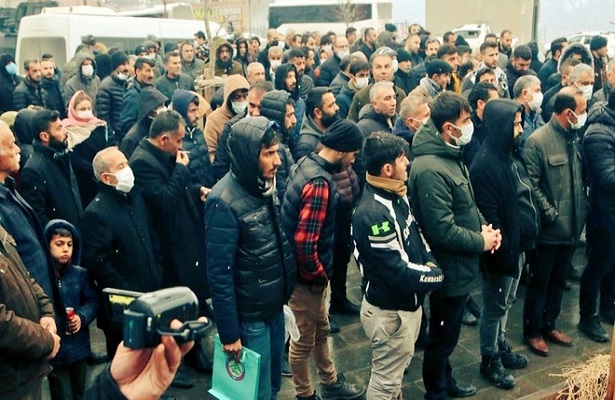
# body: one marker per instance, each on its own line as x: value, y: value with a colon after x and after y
x: 267, y: 339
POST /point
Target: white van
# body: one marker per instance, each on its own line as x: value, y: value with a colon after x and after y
x: 60, y: 33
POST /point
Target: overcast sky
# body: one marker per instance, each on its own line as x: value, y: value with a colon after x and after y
x: 557, y: 17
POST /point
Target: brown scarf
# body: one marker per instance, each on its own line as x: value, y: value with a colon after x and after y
x: 390, y: 185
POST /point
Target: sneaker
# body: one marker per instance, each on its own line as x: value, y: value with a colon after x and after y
x: 511, y: 360
x: 286, y: 366
x: 592, y: 328
x: 341, y: 390
x: 469, y: 318
x: 492, y: 369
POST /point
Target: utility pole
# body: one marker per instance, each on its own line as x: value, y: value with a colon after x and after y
x: 535, y: 15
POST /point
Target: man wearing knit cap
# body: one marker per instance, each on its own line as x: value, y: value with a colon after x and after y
x: 402, y: 76
x: 599, y: 52
x: 111, y: 92
x: 308, y: 216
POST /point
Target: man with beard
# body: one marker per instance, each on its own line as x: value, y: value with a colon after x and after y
x: 518, y: 66
x: 48, y: 181
x: 223, y: 61
x: 413, y: 45
x: 402, y: 78
x: 52, y: 94
x: 489, y: 59
x: 278, y: 106
x: 321, y: 113
x: 297, y: 58
x: 144, y: 76
x: 308, y: 215
x: 251, y: 266
x: 191, y: 65
x: 28, y: 92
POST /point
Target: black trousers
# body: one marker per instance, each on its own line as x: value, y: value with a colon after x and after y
x: 545, y: 288
x: 341, y: 255
x: 597, y: 282
x: 444, y: 328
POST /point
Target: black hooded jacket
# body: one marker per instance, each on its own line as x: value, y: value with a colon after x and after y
x: 494, y: 181
x: 8, y: 83
x: 150, y: 98
x: 250, y: 263
x: 194, y: 142
x: 23, y: 133
x: 273, y: 107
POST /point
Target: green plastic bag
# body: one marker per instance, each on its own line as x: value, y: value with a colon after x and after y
x: 233, y: 378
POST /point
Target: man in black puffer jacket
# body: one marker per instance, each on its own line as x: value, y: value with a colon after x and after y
x: 110, y: 94
x: 186, y: 103
x: 250, y: 263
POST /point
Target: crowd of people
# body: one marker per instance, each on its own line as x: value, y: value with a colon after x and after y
x: 441, y: 170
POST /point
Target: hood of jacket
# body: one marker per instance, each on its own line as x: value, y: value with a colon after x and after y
x: 150, y: 98
x: 601, y: 114
x: 280, y: 80
x: 219, y: 45
x: 23, y: 126
x: 574, y: 48
x: 60, y: 223
x: 79, y: 59
x: 245, y: 145
x: 401, y: 129
x: 428, y: 141
x: 498, y: 119
x: 273, y: 106
x: 234, y: 82
x: 5, y: 59
x: 181, y: 100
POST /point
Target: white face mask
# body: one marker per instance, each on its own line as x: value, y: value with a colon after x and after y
x: 87, y: 70
x: 395, y: 64
x: 275, y: 64
x: 85, y: 114
x: 536, y: 101
x: 587, y: 91
x: 125, y: 179
x: 581, y: 119
x: 122, y: 76
x: 239, y: 106
x: 326, y: 47
x: 360, y: 83
x: 466, y: 134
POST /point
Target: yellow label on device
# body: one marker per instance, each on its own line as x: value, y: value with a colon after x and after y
x: 118, y: 299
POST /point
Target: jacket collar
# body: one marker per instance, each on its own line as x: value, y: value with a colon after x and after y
x: 160, y: 155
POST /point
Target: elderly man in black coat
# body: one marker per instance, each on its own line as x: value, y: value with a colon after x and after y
x: 161, y: 169
x: 117, y: 239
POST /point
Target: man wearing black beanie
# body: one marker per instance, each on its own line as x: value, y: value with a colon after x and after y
x: 599, y: 51
x: 308, y: 216
x: 110, y: 94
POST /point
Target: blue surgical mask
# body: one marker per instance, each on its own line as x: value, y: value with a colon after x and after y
x: 11, y: 68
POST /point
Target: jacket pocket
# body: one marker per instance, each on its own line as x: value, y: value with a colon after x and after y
x: 557, y: 176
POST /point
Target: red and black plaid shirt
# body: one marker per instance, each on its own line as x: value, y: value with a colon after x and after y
x: 314, y: 201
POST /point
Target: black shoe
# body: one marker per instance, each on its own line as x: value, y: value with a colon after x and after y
x: 492, y: 369
x: 341, y: 390
x: 344, y: 307
x: 457, y: 390
x: 182, y: 381
x: 591, y: 328
x: 334, y: 327
x: 469, y: 318
x: 286, y: 366
x: 97, y: 358
x: 197, y: 359
x: 509, y: 359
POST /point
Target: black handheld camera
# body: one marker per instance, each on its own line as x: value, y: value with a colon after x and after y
x: 147, y: 316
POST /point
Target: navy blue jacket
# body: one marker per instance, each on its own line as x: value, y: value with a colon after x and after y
x: 76, y: 290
